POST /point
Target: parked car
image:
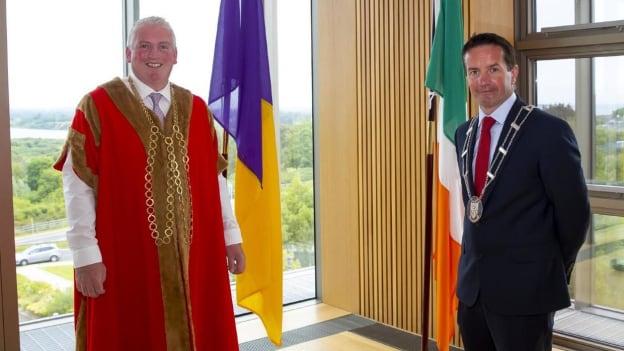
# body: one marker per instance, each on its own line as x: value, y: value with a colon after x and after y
x: 38, y: 253
x: 617, y: 264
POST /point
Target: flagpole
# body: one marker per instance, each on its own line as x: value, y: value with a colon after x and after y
x: 431, y: 119
x: 428, y: 225
x: 224, y: 150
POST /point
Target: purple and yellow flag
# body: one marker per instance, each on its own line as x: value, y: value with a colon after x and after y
x: 240, y: 99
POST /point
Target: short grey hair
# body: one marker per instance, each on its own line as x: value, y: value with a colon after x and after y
x: 153, y: 20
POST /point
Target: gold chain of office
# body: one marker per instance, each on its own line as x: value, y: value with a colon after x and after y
x: 174, y: 180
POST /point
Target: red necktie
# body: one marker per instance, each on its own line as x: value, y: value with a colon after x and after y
x: 483, y: 154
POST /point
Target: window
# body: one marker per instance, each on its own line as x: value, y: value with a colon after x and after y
x: 52, y: 62
x: 294, y: 65
x: 51, y: 69
x: 570, y: 60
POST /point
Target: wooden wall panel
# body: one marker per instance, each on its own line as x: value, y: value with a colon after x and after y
x: 391, y: 61
x: 371, y: 60
x: 494, y: 16
x: 336, y: 143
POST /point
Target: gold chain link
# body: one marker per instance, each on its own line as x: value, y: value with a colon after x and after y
x: 174, y: 181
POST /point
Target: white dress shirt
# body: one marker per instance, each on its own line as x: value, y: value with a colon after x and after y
x: 499, y: 115
x: 80, y: 198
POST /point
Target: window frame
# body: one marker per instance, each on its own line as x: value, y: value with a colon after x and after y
x: 9, y: 329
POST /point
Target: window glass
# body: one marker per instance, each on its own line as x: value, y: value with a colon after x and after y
x: 565, y: 86
x: 296, y: 152
x: 606, y: 258
x: 53, y: 60
x: 552, y: 13
x: 608, y: 10
x: 556, y: 88
x: 608, y: 165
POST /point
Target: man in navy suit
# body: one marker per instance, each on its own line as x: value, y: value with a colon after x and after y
x: 527, y: 210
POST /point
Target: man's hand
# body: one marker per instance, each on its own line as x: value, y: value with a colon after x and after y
x: 90, y: 279
x: 235, y: 258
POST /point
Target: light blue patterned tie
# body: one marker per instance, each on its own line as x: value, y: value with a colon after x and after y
x: 155, y: 99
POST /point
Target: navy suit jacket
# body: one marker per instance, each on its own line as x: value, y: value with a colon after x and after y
x: 518, y: 257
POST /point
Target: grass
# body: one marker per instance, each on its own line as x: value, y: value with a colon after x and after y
x: 608, y: 283
x: 65, y: 271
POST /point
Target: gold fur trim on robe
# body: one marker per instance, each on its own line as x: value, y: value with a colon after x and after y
x: 222, y: 162
x: 81, y: 327
x: 75, y: 142
x: 173, y: 257
x: 87, y: 106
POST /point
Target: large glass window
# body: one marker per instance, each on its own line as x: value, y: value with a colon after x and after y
x: 582, y: 91
x: 567, y: 75
x: 52, y: 62
x: 52, y: 67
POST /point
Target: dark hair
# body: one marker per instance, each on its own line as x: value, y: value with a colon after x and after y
x: 509, y: 54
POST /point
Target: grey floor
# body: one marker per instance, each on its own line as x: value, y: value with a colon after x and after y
x: 596, y: 325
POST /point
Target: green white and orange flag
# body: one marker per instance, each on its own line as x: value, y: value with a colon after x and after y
x: 446, y: 77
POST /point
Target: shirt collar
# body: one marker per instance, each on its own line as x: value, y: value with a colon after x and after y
x: 144, y: 90
x: 500, y: 114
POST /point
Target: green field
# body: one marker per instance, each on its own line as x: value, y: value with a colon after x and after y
x: 65, y: 271
x: 608, y: 283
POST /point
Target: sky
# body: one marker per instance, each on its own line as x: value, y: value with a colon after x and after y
x: 54, y: 61
x: 556, y: 82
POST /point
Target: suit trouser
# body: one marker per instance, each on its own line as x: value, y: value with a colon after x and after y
x: 484, y: 330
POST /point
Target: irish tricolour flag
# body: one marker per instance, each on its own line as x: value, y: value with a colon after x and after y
x: 446, y: 77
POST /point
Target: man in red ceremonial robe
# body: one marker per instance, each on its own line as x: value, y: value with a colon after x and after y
x: 147, y: 211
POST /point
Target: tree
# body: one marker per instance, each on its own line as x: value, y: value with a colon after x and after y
x: 42, y: 299
x: 50, y: 181
x: 296, y: 145
x: 37, y: 188
x: 297, y: 212
x: 35, y: 168
x: 564, y: 111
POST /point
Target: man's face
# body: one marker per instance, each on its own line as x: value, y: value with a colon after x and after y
x: 152, y: 55
x: 489, y: 79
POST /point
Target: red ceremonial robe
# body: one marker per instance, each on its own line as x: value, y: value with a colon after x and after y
x: 174, y: 296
